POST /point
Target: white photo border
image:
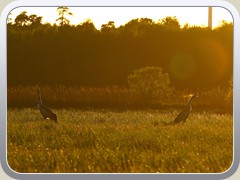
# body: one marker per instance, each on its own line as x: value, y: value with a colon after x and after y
x: 122, y: 3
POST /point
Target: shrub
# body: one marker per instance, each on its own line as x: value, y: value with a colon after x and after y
x: 150, y: 83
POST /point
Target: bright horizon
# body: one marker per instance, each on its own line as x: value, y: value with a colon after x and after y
x: 197, y: 16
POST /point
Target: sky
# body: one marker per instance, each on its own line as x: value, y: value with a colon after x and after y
x: 121, y: 15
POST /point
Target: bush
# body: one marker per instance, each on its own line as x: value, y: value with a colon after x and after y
x: 150, y: 83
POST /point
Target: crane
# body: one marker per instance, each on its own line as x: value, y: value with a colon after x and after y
x: 45, y: 111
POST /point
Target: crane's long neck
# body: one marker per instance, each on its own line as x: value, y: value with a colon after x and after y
x: 190, y: 102
x: 39, y: 96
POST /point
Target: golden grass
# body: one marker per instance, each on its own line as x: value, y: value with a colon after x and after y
x: 103, y: 140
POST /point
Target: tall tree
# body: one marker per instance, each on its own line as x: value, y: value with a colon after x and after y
x: 62, y: 13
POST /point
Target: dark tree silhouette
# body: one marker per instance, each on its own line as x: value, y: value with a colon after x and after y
x: 170, y: 22
x: 106, y: 27
x: 22, y: 19
x: 62, y: 13
x: 81, y: 55
x: 87, y: 27
x: 35, y: 21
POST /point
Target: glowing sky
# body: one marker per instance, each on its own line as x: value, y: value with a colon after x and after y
x: 121, y: 15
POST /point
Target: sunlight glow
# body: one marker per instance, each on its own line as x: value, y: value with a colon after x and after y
x: 120, y: 15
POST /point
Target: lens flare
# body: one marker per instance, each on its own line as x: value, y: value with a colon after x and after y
x: 182, y: 66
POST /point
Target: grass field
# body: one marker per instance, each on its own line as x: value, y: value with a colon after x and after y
x: 103, y: 140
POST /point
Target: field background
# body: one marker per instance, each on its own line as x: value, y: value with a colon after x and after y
x: 110, y: 129
x: 102, y: 140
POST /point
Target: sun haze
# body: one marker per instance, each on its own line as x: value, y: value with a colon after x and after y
x: 194, y: 16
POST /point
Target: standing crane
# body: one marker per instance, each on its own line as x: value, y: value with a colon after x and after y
x: 183, y: 115
x: 46, y: 112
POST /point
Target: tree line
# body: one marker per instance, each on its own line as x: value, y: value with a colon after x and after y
x: 81, y: 55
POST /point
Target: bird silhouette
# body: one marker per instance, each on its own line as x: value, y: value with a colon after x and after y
x: 45, y: 111
x: 184, y: 114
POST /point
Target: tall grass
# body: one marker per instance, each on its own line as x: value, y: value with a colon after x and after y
x: 114, y: 96
x: 104, y: 140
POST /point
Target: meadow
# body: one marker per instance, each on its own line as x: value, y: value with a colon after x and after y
x: 118, y: 140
